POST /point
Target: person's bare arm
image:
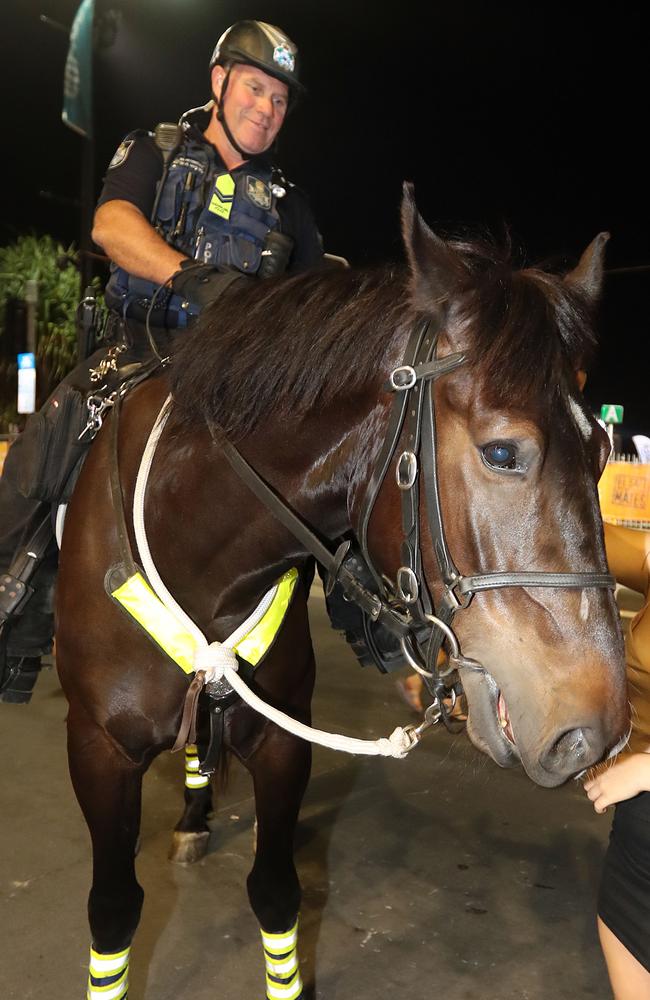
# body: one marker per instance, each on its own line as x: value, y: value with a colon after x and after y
x: 128, y: 239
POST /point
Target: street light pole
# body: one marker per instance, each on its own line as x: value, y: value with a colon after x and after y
x: 87, y: 210
x: 31, y: 302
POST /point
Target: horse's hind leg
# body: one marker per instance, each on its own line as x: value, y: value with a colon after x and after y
x: 280, y: 772
x: 191, y: 833
x: 108, y: 789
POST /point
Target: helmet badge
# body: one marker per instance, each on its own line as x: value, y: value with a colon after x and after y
x: 284, y: 57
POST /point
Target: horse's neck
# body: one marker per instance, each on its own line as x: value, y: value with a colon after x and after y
x: 311, y: 465
x: 213, y: 538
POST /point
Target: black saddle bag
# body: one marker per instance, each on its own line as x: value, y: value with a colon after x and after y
x: 51, y: 449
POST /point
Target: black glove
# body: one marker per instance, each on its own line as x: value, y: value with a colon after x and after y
x: 200, y: 284
x: 275, y: 255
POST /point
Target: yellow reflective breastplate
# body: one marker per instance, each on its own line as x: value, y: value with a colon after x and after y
x: 137, y: 598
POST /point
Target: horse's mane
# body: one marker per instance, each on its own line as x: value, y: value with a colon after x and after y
x: 529, y: 329
x: 287, y: 345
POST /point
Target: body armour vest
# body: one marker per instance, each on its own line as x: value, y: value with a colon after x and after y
x: 204, y: 211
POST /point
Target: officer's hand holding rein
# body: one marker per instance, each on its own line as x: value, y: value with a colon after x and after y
x: 200, y: 284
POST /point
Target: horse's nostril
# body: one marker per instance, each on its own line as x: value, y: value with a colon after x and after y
x: 572, y: 744
x: 573, y: 747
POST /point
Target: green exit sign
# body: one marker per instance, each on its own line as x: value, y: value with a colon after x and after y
x: 611, y: 413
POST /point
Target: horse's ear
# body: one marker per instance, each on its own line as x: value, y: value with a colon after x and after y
x: 436, y: 269
x: 587, y: 275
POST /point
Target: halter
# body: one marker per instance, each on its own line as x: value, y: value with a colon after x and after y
x: 406, y: 607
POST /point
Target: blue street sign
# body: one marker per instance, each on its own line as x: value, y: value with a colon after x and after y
x: 26, y: 382
x: 26, y: 360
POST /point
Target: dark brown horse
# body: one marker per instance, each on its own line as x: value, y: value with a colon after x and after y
x: 295, y: 374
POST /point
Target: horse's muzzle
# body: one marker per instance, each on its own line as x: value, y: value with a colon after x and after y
x: 564, y: 752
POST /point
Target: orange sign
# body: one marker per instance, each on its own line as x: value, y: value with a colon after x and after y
x: 624, y: 491
x: 4, y: 445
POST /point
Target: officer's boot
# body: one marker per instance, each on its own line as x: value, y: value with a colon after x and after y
x: 17, y: 673
x: 17, y: 678
x: 26, y: 615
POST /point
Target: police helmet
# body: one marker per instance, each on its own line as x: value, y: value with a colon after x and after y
x: 263, y: 45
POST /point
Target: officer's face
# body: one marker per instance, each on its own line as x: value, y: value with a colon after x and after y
x: 255, y: 106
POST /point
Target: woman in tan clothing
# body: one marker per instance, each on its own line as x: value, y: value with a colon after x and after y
x: 624, y: 897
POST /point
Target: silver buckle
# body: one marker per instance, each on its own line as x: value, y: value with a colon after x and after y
x: 407, y: 585
x: 402, y: 386
x: 406, y: 470
x: 457, y: 601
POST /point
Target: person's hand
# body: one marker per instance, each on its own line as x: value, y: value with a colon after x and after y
x: 623, y: 780
x: 200, y: 284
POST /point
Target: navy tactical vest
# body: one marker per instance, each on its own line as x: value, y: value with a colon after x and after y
x: 201, y: 209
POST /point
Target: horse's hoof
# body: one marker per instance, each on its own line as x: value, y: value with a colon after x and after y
x: 188, y: 848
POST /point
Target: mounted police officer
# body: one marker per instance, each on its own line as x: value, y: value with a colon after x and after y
x: 222, y: 203
x: 183, y: 212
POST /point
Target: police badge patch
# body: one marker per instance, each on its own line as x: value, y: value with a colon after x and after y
x: 284, y: 57
x: 258, y: 192
x: 121, y: 154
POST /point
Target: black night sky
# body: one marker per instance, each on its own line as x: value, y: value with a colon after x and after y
x: 526, y: 116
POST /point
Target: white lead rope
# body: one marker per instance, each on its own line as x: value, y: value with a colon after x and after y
x: 218, y: 659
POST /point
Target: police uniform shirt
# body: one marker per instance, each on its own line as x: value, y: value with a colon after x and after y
x: 137, y: 167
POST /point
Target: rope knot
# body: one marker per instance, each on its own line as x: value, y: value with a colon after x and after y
x: 397, y: 744
x: 214, y: 659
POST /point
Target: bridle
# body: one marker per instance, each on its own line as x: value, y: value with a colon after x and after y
x: 413, y: 415
x: 406, y: 607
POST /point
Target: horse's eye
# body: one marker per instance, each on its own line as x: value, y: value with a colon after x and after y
x: 500, y: 455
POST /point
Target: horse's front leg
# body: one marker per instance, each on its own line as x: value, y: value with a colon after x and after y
x: 191, y: 833
x: 280, y: 772
x: 280, y: 768
x: 108, y: 789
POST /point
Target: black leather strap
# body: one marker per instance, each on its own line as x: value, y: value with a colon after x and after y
x: 428, y: 452
x: 490, y: 581
x: 116, y: 492
x: 333, y: 562
x: 277, y: 505
x: 382, y: 464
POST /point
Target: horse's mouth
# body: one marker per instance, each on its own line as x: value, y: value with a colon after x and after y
x: 503, y: 718
x: 488, y: 725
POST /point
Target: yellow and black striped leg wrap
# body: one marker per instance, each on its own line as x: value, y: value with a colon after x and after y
x: 108, y: 977
x: 282, y: 973
x: 193, y: 779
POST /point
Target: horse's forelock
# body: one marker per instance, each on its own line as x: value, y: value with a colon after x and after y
x: 529, y: 332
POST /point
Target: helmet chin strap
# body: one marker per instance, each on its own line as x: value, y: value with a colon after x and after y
x: 221, y: 117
